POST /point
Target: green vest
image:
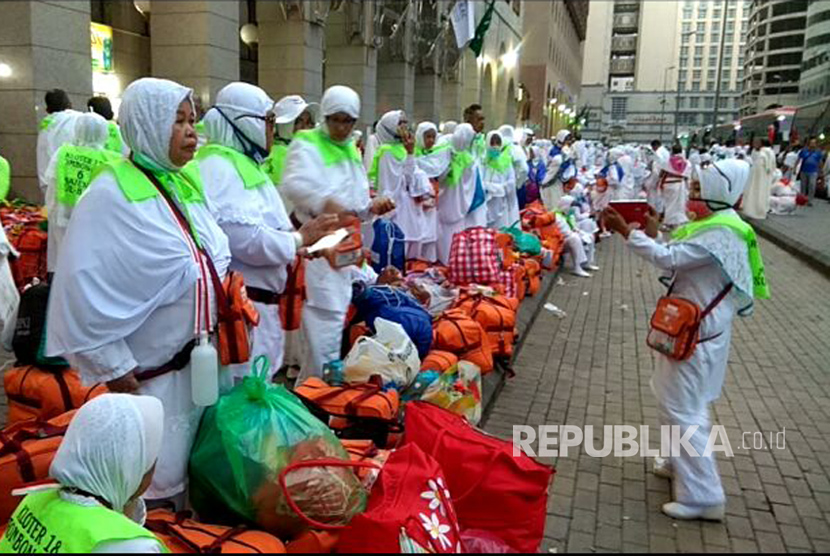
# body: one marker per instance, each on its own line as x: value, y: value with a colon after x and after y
x: 461, y: 160
x: 5, y: 178
x: 332, y: 153
x: 502, y: 163
x: 421, y: 151
x: 114, y: 142
x: 569, y: 218
x: 743, y: 231
x: 275, y: 163
x: 45, y: 524
x: 46, y: 122
x: 75, y: 168
x: 252, y: 175
x: 397, y: 150
x: 479, y: 146
x: 185, y: 186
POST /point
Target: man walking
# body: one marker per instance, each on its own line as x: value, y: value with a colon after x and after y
x: 810, y: 159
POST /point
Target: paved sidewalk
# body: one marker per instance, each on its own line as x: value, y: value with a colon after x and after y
x: 593, y: 367
x: 806, y: 233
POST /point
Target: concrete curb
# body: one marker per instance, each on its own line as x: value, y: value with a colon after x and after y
x: 493, y: 383
x: 816, y: 259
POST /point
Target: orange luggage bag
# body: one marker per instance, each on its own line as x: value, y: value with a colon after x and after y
x: 35, y: 393
x: 437, y: 360
x: 183, y: 535
x: 496, y: 315
x: 457, y: 332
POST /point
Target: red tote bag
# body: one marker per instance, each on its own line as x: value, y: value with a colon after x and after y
x: 491, y: 490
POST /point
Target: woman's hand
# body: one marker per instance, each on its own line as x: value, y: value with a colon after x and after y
x: 127, y: 384
x: 615, y: 222
x: 407, y: 139
x: 382, y: 205
x: 314, y: 230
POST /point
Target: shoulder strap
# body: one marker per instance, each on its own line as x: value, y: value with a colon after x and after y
x: 715, y: 302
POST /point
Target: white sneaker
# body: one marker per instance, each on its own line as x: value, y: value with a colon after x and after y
x: 662, y: 468
x: 591, y: 267
x: 581, y: 273
x: 677, y: 510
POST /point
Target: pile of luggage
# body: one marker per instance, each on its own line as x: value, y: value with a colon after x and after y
x: 25, y: 227
x: 379, y: 454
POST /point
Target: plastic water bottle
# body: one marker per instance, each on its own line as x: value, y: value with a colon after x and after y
x: 204, y: 373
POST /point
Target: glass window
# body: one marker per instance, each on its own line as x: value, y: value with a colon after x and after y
x: 682, y: 87
x: 741, y: 60
x: 713, y: 50
x: 709, y: 102
x: 715, y: 38
x: 711, y: 74
x: 682, y: 75
x: 698, y: 51
x: 698, y: 61
x: 730, y: 26
x: 685, y: 39
x: 727, y: 51
x: 713, y: 61
x: 722, y: 102
x: 619, y: 108
x: 695, y: 85
x: 684, y: 61
x: 716, y: 13
x: 730, y: 37
x: 697, y: 74
x: 731, y: 13
x: 684, y: 50
x: 687, y: 27
x: 694, y: 102
x: 687, y: 13
x: 702, y: 9
x: 681, y: 102
x: 710, y: 86
x: 701, y: 26
x: 740, y: 75
x: 716, y: 27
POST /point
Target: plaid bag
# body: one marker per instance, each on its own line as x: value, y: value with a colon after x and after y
x: 474, y: 257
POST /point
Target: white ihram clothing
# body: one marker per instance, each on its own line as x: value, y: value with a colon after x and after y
x: 573, y: 243
x: 309, y: 183
x: 60, y: 131
x: 499, y: 187
x: 756, y: 203
x: 453, y: 203
x: 552, y: 190
x: 262, y: 246
x: 626, y: 186
x: 684, y: 389
x: 782, y: 199
x: 404, y: 182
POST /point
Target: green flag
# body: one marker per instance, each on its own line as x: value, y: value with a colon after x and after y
x: 477, y: 44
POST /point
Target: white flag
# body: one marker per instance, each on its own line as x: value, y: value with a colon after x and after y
x: 464, y: 22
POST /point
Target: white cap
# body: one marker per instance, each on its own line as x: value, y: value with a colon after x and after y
x: 289, y: 108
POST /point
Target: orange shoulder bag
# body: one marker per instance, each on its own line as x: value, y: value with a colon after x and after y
x: 675, y: 325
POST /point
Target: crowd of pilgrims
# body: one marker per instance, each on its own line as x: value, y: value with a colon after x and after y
x: 142, y: 213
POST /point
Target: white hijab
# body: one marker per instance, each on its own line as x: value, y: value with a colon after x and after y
x: 244, y: 105
x: 462, y: 137
x: 111, y: 443
x: 436, y: 162
x: 724, y: 182
x: 91, y: 130
x: 147, y: 114
x: 421, y: 130
x: 387, y: 128
x: 508, y: 135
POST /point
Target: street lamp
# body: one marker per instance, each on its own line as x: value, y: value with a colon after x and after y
x: 663, y: 110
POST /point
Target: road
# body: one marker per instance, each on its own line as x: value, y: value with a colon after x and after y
x: 593, y: 367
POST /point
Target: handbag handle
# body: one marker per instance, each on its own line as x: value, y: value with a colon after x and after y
x: 322, y: 462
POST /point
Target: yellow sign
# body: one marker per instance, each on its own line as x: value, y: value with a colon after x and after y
x: 101, y: 42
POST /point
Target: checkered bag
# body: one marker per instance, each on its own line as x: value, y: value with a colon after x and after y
x: 475, y: 257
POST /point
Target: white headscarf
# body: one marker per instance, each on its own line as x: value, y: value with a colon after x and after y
x: 562, y: 136
x: 147, y: 115
x: 421, y: 130
x: 566, y: 202
x: 724, y: 182
x: 111, y: 443
x: 91, y: 130
x: 235, y: 119
x: 462, y: 137
x: 449, y: 127
x: 508, y: 134
x: 340, y: 98
x: 387, y: 128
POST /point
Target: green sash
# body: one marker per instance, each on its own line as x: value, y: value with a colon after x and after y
x: 252, y: 175
x: 332, y: 153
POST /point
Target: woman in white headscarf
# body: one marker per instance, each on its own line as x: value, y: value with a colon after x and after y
x: 433, y: 158
x: 291, y: 114
x: 457, y: 191
x: 561, y: 170
x: 103, y: 466
x: 396, y: 175
x: 713, y: 262
x: 324, y: 175
x: 249, y: 210
x: 70, y: 173
x: 447, y: 130
x: 518, y: 159
x: 499, y: 181
x: 578, y: 242
x: 127, y: 299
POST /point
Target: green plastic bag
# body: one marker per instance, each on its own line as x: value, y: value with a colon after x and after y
x: 525, y: 242
x: 246, y: 440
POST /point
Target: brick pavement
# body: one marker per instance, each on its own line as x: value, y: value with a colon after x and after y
x: 593, y: 367
x: 807, y: 232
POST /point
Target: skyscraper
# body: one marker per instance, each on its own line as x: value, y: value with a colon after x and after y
x: 653, y: 68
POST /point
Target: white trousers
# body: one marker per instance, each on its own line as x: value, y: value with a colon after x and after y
x: 323, y: 330
x: 574, y: 246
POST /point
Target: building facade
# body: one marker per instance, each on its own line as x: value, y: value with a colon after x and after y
x: 394, y: 53
x: 774, y: 53
x: 552, y: 55
x: 659, y: 69
x: 814, y: 83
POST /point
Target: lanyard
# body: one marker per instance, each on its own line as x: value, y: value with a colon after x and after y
x: 202, y: 301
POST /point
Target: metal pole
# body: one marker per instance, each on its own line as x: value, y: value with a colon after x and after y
x: 720, y: 63
x: 676, y: 109
x: 663, y: 111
